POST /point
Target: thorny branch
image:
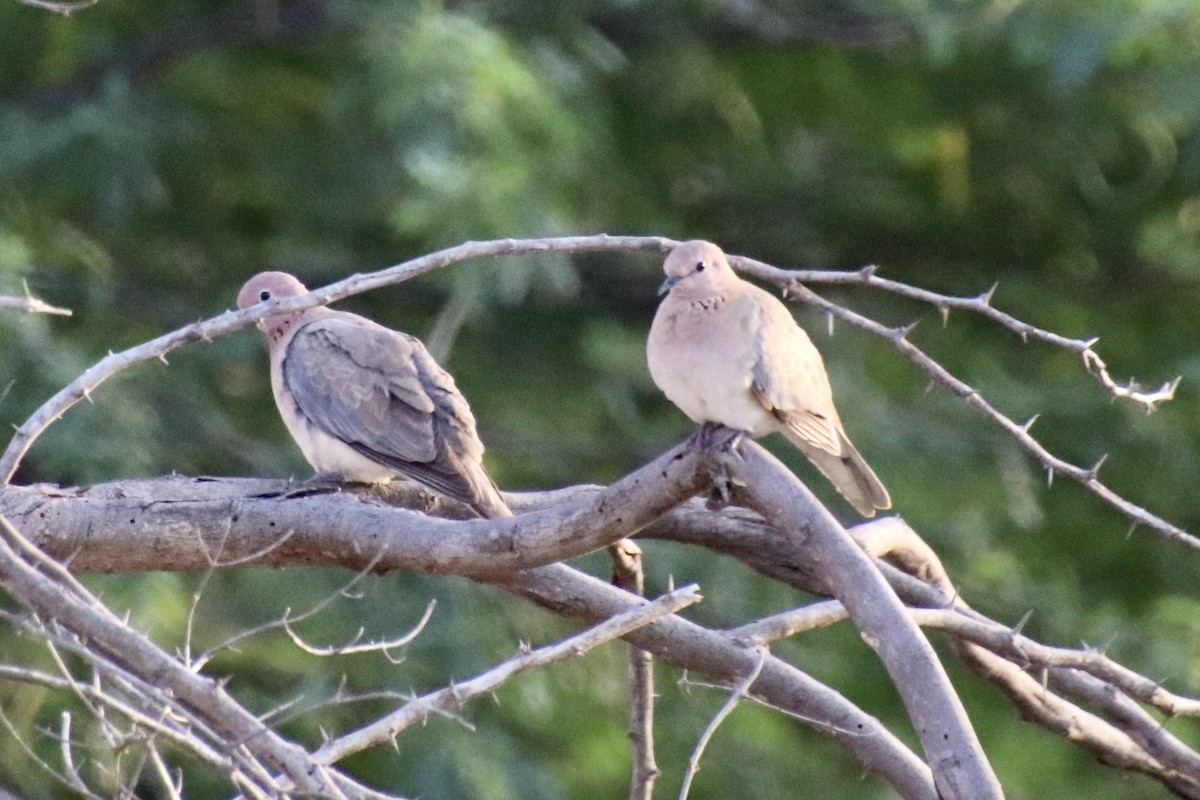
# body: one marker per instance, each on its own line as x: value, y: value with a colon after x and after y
x: 979, y: 304
x: 1118, y: 730
x: 228, y: 322
x: 1053, y: 464
x: 31, y: 305
x: 739, y: 691
x: 454, y: 697
x: 78, y: 524
x: 628, y: 574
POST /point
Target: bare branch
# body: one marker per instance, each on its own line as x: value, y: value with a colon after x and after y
x: 960, y: 768
x: 109, y: 638
x: 66, y: 9
x: 354, y: 647
x: 628, y: 575
x: 95, y: 526
x: 979, y: 304
x: 790, y: 623
x: 30, y: 304
x: 691, y: 647
x: 1086, y: 477
x: 739, y: 691
x: 230, y: 321
x: 386, y: 728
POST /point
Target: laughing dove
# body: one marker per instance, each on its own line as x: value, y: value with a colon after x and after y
x: 365, y: 402
x: 727, y: 352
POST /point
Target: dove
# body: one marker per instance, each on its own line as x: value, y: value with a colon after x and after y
x: 725, y: 351
x: 365, y: 402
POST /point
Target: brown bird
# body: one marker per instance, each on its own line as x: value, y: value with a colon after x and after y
x: 364, y: 402
x: 725, y: 351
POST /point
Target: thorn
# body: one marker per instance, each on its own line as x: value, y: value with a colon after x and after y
x: 868, y: 272
x: 1132, y: 528
x: 1049, y: 477
x: 903, y: 332
x: 1029, y: 423
x: 1091, y: 473
x: 945, y: 309
x: 829, y: 322
x: 1090, y: 343
x: 163, y: 358
x: 1020, y: 626
x: 986, y: 297
x: 791, y: 289
x: 929, y: 387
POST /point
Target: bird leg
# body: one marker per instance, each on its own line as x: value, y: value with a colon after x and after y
x: 715, y: 436
x: 722, y: 443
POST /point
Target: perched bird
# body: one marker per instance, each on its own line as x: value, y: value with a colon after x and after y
x: 365, y: 402
x: 725, y: 351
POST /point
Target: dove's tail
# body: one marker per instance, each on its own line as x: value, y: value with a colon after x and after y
x: 849, y: 473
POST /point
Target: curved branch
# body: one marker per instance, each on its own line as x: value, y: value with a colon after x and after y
x: 960, y: 767
x: 86, y: 527
x: 1085, y: 477
x: 979, y: 304
x: 231, y: 321
x: 686, y: 645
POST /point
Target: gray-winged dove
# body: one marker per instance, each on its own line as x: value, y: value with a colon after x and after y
x: 727, y: 352
x: 365, y: 402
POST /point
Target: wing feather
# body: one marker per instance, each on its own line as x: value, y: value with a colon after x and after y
x: 380, y: 392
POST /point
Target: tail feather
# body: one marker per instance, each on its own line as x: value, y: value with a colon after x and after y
x: 849, y: 473
x: 486, y: 501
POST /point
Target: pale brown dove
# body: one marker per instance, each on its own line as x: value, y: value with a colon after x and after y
x: 727, y: 352
x: 364, y: 402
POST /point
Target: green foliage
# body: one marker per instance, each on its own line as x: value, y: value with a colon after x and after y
x: 1051, y: 146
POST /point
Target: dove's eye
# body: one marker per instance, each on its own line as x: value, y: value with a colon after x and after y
x: 264, y: 295
x: 700, y: 266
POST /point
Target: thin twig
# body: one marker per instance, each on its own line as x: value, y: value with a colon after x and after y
x: 1025, y: 651
x: 287, y: 618
x: 30, y: 304
x: 739, y: 691
x: 629, y: 575
x: 64, y: 8
x: 386, y: 728
x: 790, y: 623
x: 172, y: 786
x: 978, y: 304
x: 111, y: 639
x: 1085, y: 477
x: 353, y: 647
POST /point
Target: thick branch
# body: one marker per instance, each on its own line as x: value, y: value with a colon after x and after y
x: 686, y: 645
x: 92, y: 530
x: 120, y: 645
x: 185, y: 534
x: 959, y: 766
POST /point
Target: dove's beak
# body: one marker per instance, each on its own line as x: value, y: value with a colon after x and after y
x: 667, y: 284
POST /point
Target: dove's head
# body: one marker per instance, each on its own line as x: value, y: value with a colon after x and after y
x: 267, y: 286
x: 696, y: 269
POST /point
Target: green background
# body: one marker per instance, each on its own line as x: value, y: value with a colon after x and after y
x: 155, y: 155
